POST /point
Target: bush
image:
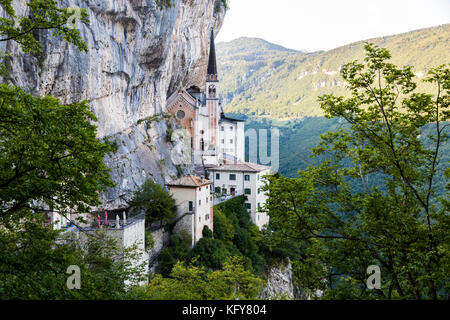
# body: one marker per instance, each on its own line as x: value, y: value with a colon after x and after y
x: 157, y: 203
x: 178, y: 250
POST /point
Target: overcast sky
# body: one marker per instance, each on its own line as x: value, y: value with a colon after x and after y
x: 326, y: 24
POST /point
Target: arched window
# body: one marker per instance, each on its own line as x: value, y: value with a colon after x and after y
x: 212, y: 91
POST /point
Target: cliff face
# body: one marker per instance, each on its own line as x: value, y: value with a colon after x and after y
x: 138, y: 55
x: 280, y: 283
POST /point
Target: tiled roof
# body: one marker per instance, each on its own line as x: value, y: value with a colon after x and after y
x: 189, y: 181
x: 239, y: 166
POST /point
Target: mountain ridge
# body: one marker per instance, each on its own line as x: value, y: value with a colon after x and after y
x: 263, y: 79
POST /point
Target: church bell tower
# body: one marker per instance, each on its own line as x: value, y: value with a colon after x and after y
x: 212, y: 95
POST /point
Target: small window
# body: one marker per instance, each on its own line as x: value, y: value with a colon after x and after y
x: 222, y: 128
x: 231, y: 128
x: 207, y: 199
x: 218, y: 176
x: 248, y: 206
x: 247, y: 177
x: 222, y: 141
x: 202, y: 131
x: 231, y: 140
x: 199, y: 219
x: 191, y: 205
x: 247, y: 191
x: 232, y: 177
x: 199, y: 202
x: 259, y: 190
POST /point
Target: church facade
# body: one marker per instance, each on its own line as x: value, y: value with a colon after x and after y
x: 213, y: 135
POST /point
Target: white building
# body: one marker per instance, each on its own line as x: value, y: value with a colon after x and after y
x: 231, y: 139
x: 195, y: 205
x: 242, y: 178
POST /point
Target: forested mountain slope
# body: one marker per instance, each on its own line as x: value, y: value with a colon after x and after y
x: 263, y: 79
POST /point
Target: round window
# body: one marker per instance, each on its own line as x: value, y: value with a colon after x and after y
x: 180, y: 114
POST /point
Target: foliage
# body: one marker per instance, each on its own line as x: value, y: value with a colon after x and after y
x: 51, y: 160
x: 50, y: 154
x: 149, y: 240
x: 43, y: 15
x: 178, y: 250
x: 206, y: 232
x: 211, y: 253
x: 158, y: 204
x: 404, y: 227
x: 262, y: 79
x: 164, y: 4
x: 221, y: 4
x: 193, y: 283
x: 234, y: 228
x: 34, y: 260
x: 234, y: 235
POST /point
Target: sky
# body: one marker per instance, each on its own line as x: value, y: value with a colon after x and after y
x: 314, y: 25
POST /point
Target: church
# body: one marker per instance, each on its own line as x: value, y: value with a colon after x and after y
x: 218, y: 151
x: 214, y: 136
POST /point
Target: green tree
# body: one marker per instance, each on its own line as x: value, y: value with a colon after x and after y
x: 158, y: 204
x: 41, y: 15
x: 210, y: 253
x: 50, y: 155
x: 402, y: 227
x: 194, y: 283
x: 51, y: 160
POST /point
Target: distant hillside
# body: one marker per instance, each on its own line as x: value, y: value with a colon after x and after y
x: 263, y: 79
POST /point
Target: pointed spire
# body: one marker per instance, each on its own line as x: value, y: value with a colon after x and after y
x: 212, y: 66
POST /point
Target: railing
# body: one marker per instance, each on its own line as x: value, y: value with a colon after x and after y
x: 112, y: 223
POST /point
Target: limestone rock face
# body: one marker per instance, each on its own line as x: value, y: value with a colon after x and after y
x: 280, y: 284
x: 138, y: 55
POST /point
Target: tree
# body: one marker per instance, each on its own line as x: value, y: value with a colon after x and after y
x: 158, y: 204
x: 51, y: 160
x: 346, y: 221
x: 193, y: 283
x: 50, y: 155
x: 43, y: 15
x: 211, y: 253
